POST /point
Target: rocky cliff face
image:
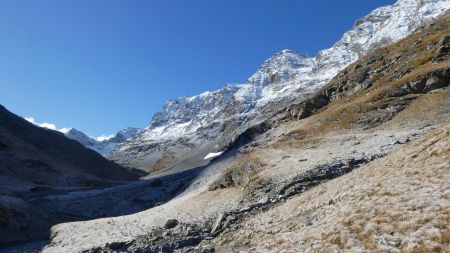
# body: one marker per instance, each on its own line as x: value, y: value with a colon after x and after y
x: 189, y: 128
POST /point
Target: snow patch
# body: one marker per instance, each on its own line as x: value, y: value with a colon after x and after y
x: 65, y: 130
x: 44, y: 124
x: 212, y: 155
x: 105, y: 137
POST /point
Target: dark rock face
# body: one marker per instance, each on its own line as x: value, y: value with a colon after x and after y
x: 443, y: 48
x: 183, y: 238
x: 308, y: 107
x: 249, y: 134
x: 320, y: 174
x: 430, y: 81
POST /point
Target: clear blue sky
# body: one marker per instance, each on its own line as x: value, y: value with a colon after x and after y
x: 102, y: 65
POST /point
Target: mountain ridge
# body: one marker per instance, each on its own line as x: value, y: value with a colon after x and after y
x: 279, y: 81
x: 105, y: 145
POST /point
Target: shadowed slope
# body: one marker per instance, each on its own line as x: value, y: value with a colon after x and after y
x: 36, y: 162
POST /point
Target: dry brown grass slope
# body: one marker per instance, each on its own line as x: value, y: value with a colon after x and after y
x: 400, y: 203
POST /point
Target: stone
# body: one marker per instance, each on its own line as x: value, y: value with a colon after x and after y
x: 443, y: 48
x: 171, y: 224
x: 264, y: 200
x: 217, y: 223
x: 417, y: 86
x: 434, y: 82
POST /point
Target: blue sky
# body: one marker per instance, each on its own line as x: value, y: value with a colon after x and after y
x: 102, y: 65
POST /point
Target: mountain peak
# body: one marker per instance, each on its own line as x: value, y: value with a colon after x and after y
x: 184, y: 109
x: 287, y: 57
x: 104, y: 145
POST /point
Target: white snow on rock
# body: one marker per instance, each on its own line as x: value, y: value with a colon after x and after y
x: 212, y: 155
x: 187, y: 114
x: 102, y: 145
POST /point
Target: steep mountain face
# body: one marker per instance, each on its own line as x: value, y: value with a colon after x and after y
x: 124, y: 134
x: 208, y: 125
x: 187, y: 114
x: 175, y: 130
x: 35, y: 158
x: 274, y: 78
x: 105, y: 146
x: 361, y: 165
x: 82, y: 138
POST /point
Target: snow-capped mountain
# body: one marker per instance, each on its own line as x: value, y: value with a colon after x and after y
x: 105, y: 145
x: 187, y: 114
x: 271, y: 79
x: 188, y: 128
x: 123, y: 135
x: 288, y: 73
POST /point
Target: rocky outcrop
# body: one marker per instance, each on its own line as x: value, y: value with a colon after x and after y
x: 413, y: 71
x: 308, y: 107
x: 239, y: 174
x: 182, y: 238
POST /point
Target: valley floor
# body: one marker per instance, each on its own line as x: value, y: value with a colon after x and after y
x: 333, y: 214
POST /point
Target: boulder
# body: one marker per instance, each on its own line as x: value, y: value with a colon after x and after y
x: 171, y: 224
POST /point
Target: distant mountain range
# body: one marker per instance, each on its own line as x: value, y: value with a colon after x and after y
x: 35, y: 158
x: 105, y: 145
